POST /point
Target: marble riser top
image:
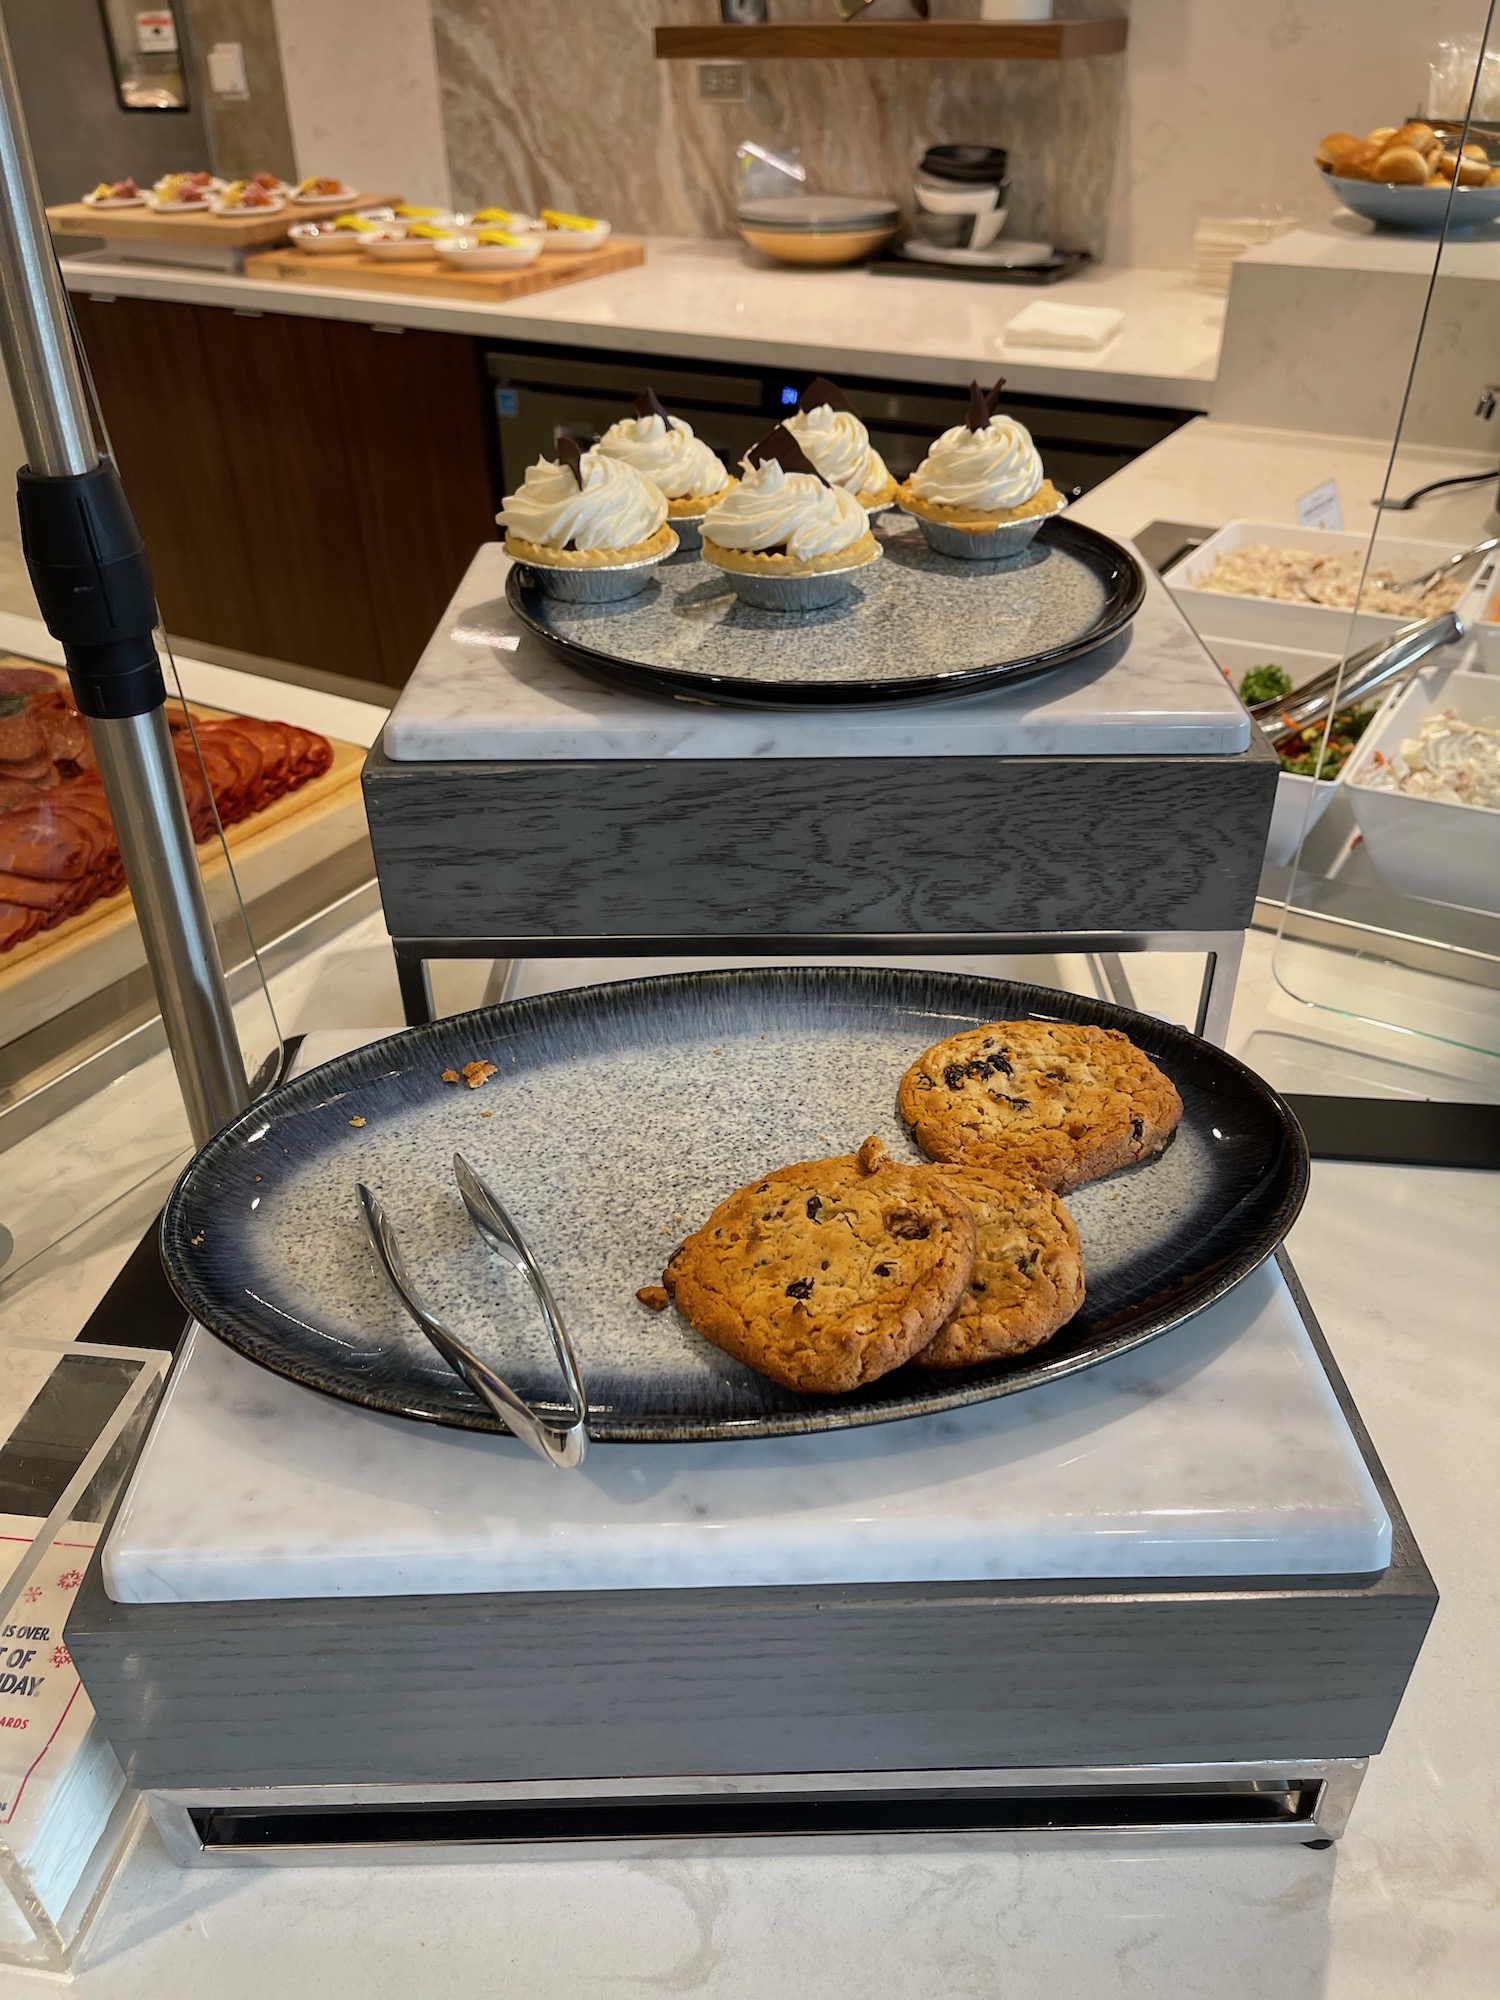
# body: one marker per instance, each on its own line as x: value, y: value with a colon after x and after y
x: 1218, y: 1450
x: 485, y: 688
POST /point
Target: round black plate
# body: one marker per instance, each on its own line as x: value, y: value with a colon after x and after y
x: 619, y: 1115
x: 918, y: 627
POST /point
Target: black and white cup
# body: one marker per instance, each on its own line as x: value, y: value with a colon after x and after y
x: 961, y: 195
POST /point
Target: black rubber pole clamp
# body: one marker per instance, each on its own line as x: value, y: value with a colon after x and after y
x: 92, y: 581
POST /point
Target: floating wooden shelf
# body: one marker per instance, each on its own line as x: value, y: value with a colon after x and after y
x: 896, y: 41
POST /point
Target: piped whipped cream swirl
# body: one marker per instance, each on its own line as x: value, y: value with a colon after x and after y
x: 772, y: 509
x: 613, y: 508
x: 990, y: 469
x: 668, y: 453
x: 837, y: 443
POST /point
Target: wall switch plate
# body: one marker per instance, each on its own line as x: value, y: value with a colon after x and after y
x: 723, y: 81
x: 226, y: 70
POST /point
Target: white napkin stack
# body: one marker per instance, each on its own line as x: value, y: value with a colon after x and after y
x: 1044, y: 323
x: 1219, y: 239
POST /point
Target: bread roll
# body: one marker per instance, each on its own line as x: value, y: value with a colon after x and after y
x: 1403, y: 165
x: 1381, y: 136
x: 1474, y: 151
x: 1472, y: 173
x: 1333, y: 147
x: 1437, y: 181
x: 1415, y: 133
x: 1447, y: 165
x: 1492, y: 178
x: 1356, y: 165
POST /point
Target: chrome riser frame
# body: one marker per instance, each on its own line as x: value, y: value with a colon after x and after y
x: 1319, y: 1794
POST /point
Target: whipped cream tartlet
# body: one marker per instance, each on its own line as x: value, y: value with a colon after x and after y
x: 838, y: 446
x: 981, y: 491
x: 665, y: 450
x: 783, y: 526
x: 588, y: 516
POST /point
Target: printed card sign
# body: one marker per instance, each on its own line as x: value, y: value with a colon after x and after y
x: 156, y: 31
x: 44, y: 1712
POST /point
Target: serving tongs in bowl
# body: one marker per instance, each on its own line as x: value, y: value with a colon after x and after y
x: 560, y: 1445
x: 1381, y: 666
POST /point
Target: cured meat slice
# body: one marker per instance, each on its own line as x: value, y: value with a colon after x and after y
x: 274, y: 742
x: 25, y: 680
x: 37, y: 842
x: 64, y: 733
x: 21, y: 738
x: 311, y: 754
x: 17, y: 923
x: 15, y: 792
x: 54, y: 897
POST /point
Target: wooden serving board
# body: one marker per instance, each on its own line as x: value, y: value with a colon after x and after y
x: 435, y: 279
x: 221, y: 232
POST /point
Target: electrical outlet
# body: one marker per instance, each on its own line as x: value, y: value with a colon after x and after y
x: 722, y: 81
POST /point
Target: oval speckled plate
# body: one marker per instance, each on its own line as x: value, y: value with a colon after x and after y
x: 618, y: 1116
x: 917, y: 627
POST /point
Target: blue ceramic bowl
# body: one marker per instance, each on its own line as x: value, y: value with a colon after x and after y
x: 1418, y: 211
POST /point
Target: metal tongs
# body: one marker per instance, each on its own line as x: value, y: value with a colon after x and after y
x: 1382, y: 665
x: 563, y: 1446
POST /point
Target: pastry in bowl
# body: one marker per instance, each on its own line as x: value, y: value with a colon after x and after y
x: 838, y: 445
x: 980, y: 493
x: 665, y: 450
x: 785, y: 538
x: 589, y: 527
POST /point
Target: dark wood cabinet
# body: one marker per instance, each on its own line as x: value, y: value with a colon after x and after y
x: 309, y: 490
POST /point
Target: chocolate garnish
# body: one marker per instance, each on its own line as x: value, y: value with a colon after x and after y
x: 982, y: 405
x: 779, y: 444
x: 820, y: 391
x: 570, y: 453
x: 649, y: 404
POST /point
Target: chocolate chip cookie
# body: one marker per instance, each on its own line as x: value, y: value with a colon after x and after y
x: 1054, y: 1101
x: 827, y: 1274
x: 1027, y: 1279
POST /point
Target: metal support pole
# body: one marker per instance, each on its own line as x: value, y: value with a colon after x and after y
x: 89, y: 570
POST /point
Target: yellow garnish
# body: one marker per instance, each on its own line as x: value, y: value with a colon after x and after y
x: 103, y: 191
x: 405, y: 208
x: 556, y: 218
x: 234, y: 188
x: 492, y: 215
x: 497, y: 236
x: 426, y: 229
x: 360, y: 222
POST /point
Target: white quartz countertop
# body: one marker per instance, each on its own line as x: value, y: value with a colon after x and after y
x: 487, y: 688
x: 715, y: 301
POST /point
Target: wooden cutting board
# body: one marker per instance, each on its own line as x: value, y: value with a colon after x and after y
x: 434, y: 279
x: 223, y: 232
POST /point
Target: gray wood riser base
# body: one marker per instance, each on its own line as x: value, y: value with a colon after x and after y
x: 851, y: 846
x: 544, y: 1686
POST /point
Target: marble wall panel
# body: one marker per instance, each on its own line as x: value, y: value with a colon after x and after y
x: 565, y: 103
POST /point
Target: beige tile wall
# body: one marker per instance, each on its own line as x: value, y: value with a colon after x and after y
x: 565, y: 103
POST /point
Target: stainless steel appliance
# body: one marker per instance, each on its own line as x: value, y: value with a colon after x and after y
x: 543, y: 394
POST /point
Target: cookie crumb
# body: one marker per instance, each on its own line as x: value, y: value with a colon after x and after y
x: 486, y: 1114
x: 474, y: 1074
x: 356, y: 1121
x: 654, y: 1296
x: 872, y: 1155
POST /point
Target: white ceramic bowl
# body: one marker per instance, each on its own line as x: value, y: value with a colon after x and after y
x: 1275, y: 622
x: 272, y: 207
x: 1442, y: 852
x: 469, y: 255
x: 323, y: 240
x: 574, y: 240
x: 401, y: 248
